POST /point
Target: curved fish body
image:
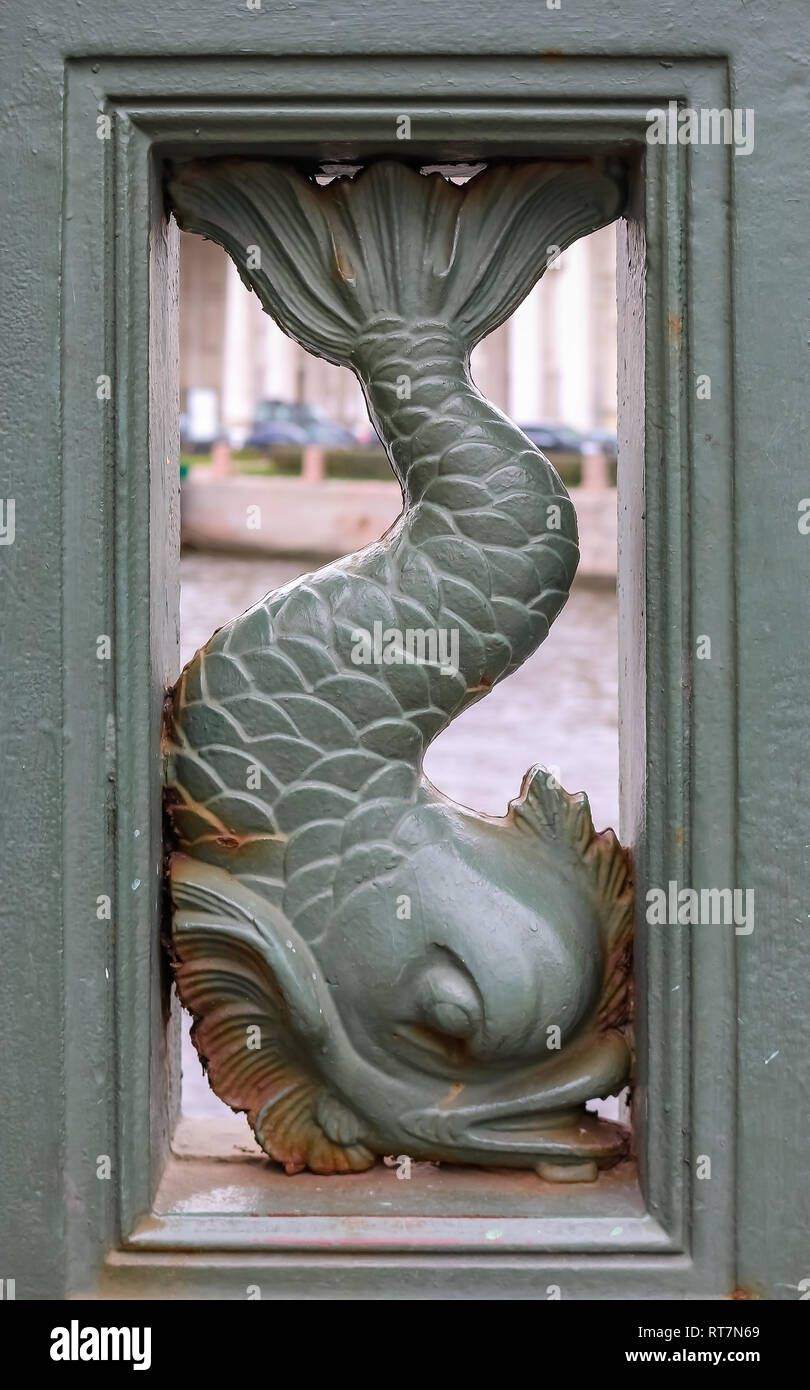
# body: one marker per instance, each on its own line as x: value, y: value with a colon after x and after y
x: 421, y: 977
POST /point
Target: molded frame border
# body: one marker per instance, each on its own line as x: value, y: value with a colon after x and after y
x: 120, y: 547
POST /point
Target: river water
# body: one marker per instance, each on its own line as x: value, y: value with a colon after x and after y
x: 559, y: 709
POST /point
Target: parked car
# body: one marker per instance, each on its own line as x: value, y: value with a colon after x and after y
x: 366, y: 435
x: 267, y: 433
x: 560, y: 437
x: 284, y: 422
x: 606, y: 440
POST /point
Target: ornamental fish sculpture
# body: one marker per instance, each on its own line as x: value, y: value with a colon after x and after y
x: 373, y: 968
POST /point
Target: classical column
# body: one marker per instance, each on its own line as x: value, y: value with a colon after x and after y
x: 241, y: 357
x: 525, y: 379
x: 603, y: 325
x: 490, y: 366
x: 573, y: 338
x: 280, y: 363
x: 549, y: 363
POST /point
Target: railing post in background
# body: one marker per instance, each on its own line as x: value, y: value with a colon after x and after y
x: 595, y: 468
x: 313, y: 464
x: 221, y: 459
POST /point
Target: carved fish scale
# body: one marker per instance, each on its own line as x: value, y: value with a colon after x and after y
x: 297, y: 798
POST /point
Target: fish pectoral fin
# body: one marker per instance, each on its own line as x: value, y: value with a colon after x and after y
x: 261, y: 1007
x: 218, y: 919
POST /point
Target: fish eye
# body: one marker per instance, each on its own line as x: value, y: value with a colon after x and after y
x: 448, y: 1000
x: 449, y: 1017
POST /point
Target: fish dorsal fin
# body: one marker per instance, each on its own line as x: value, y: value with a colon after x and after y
x: 562, y: 818
x: 545, y: 808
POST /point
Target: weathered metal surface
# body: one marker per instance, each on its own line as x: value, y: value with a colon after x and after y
x: 372, y: 967
x: 714, y: 752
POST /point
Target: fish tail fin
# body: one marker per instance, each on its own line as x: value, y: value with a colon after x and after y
x: 329, y: 261
x: 514, y: 222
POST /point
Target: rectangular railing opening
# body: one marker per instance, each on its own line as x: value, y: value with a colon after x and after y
x: 282, y: 472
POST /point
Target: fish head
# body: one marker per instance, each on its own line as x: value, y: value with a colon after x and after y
x: 467, y: 983
x: 475, y: 952
x: 453, y: 1005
